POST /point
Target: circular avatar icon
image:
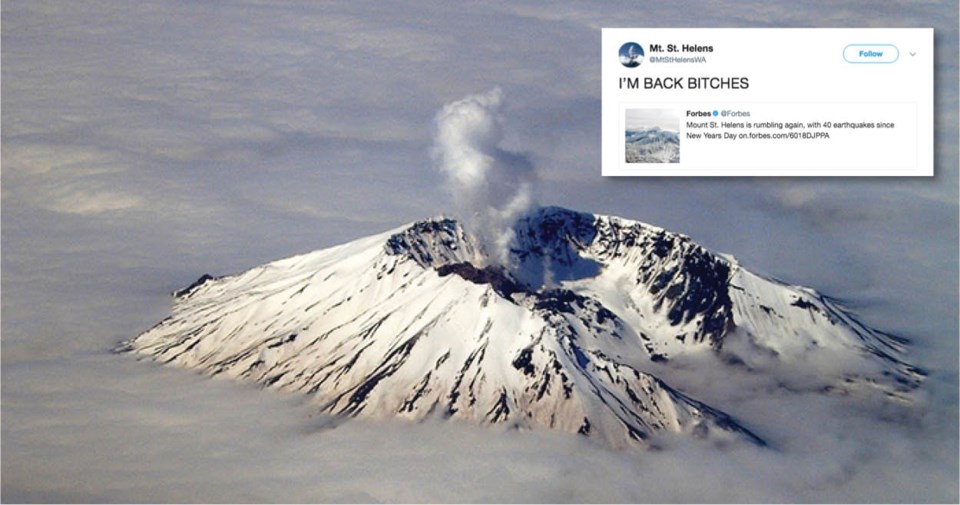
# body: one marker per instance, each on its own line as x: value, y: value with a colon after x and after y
x: 631, y: 55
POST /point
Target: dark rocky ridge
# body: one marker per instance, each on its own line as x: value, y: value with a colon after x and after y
x: 550, y: 246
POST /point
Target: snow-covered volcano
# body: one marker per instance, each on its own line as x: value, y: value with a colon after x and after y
x: 652, y: 145
x: 414, y: 324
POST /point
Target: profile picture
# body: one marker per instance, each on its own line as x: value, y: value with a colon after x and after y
x: 631, y: 55
x: 652, y: 135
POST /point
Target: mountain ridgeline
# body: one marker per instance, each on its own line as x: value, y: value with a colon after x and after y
x: 415, y: 324
x: 652, y: 146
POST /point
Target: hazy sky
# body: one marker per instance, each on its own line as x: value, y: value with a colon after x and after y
x: 146, y: 143
x: 642, y: 119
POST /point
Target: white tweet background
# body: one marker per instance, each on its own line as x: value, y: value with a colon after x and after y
x: 147, y: 143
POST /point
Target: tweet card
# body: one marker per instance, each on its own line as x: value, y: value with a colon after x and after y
x: 767, y: 102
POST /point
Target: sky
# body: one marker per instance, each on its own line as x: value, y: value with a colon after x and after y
x: 147, y: 143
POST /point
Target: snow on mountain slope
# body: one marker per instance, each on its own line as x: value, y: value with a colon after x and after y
x: 412, y: 324
x: 652, y: 146
x: 682, y: 298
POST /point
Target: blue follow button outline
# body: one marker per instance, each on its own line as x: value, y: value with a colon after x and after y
x: 873, y: 46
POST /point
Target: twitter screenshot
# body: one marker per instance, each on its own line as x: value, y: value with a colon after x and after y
x: 767, y: 102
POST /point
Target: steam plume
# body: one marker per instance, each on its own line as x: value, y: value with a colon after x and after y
x: 491, y: 186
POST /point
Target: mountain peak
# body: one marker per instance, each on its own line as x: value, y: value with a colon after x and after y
x: 416, y: 324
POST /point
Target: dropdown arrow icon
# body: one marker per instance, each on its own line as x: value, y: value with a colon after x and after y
x: 912, y: 53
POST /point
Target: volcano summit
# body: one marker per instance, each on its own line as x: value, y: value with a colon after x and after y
x: 415, y: 324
